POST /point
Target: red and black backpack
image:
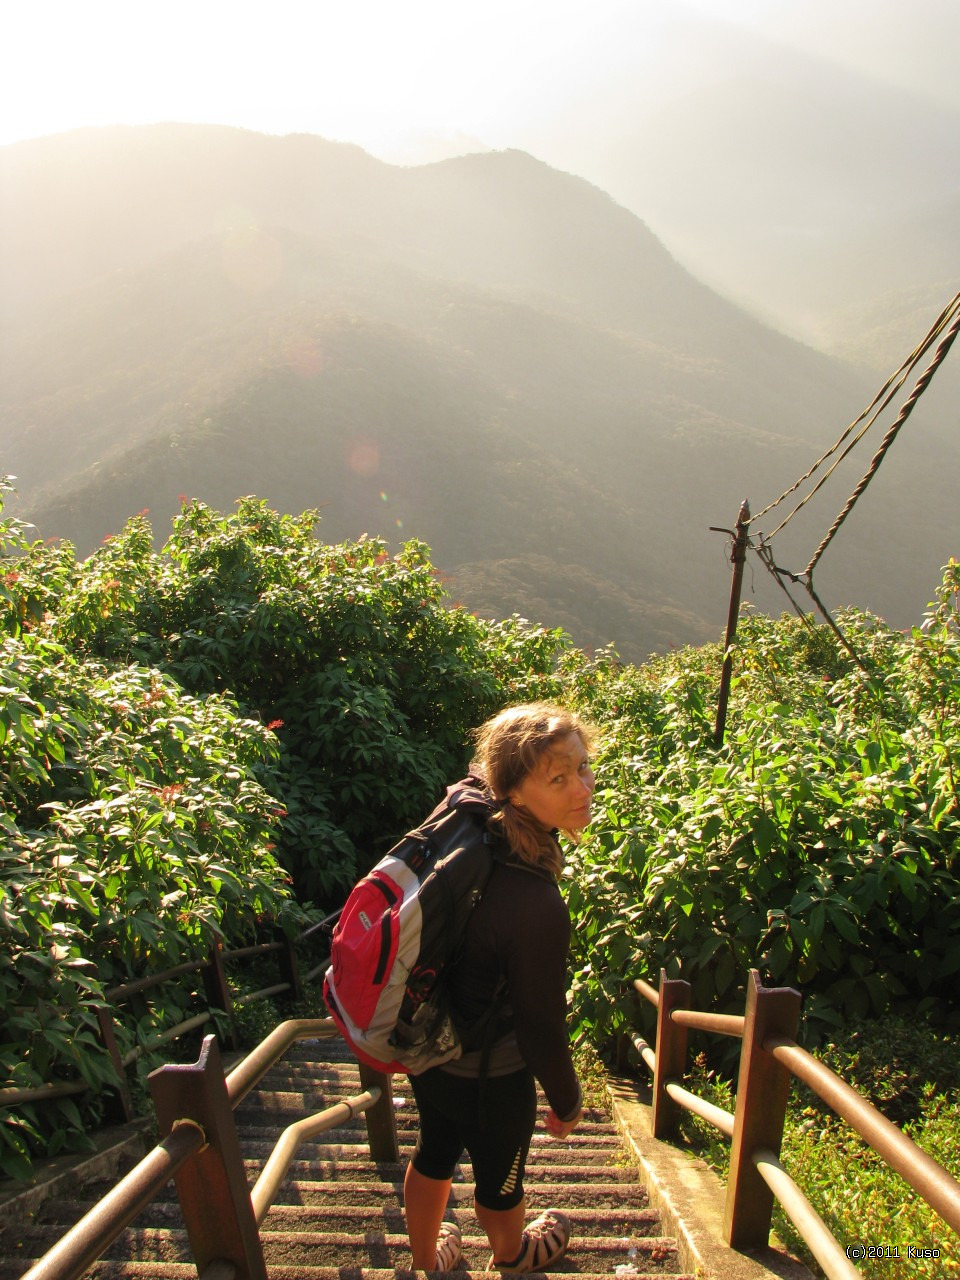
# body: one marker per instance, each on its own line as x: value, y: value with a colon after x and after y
x: 400, y: 930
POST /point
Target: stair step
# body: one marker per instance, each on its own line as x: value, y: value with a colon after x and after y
x: 358, y: 1218
x: 352, y: 1146
x: 606, y: 1222
x: 381, y: 1195
x: 539, y: 1196
x: 380, y: 1249
x: 340, y: 1145
x: 344, y: 1142
x: 354, y: 1170
x: 281, y: 1107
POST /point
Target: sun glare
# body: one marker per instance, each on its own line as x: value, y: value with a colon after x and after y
x: 368, y: 72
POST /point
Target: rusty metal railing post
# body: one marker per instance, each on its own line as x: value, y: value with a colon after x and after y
x: 212, y: 1187
x: 762, y: 1091
x: 671, y: 1054
x: 381, y: 1118
x: 737, y: 557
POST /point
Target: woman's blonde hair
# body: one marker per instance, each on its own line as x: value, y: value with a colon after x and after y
x: 510, y: 746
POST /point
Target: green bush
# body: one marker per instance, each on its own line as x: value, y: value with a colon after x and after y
x: 819, y: 844
x: 354, y: 656
x: 135, y: 831
x: 176, y: 724
x: 173, y: 724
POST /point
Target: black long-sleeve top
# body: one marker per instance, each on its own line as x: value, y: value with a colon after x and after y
x: 520, y: 931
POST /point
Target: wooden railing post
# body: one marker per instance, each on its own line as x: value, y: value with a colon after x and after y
x: 381, y: 1117
x: 671, y: 1054
x: 124, y: 1101
x: 762, y: 1091
x: 212, y: 1187
x: 217, y: 990
x: 289, y: 968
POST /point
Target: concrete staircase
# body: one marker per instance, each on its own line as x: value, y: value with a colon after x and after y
x: 340, y: 1217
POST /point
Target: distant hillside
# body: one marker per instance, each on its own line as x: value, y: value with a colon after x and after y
x: 773, y: 156
x: 486, y: 354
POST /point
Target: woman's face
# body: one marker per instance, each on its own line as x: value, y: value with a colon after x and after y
x: 558, y: 791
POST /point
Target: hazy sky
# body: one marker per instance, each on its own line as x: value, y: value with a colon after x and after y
x: 378, y: 72
x: 633, y: 95
x: 356, y: 70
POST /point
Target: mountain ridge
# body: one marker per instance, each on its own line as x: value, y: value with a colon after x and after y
x: 497, y: 358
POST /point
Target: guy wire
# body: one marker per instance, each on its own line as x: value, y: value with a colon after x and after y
x: 880, y: 402
x: 922, y: 383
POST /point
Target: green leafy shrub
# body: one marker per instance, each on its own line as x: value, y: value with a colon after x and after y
x: 168, y: 717
x: 818, y: 844
x: 135, y: 833
x: 169, y: 720
x: 354, y: 656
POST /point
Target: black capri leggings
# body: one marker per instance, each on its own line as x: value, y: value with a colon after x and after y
x: 492, y: 1120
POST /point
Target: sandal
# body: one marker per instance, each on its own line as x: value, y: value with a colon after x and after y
x: 545, y: 1241
x: 449, y: 1250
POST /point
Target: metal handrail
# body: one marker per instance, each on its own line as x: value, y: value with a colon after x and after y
x: 127, y: 989
x: 724, y: 1024
x: 928, y: 1178
x: 96, y: 1231
x: 288, y: 1144
x: 646, y: 1052
x: 818, y: 1236
x: 717, y: 1116
x: 248, y: 1073
x: 720, y: 1119
x: 14, y: 1096
x: 11, y: 1096
x: 647, y: 991
x: 264, y: 993
x: 721, y: 1024
x: 257, y: 949
x: 312, y: 974
x: 171, y: 1033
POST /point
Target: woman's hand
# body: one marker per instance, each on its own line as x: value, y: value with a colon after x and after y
x: 561, y: 1128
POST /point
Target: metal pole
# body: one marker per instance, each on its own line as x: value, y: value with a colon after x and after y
x: 737, y: 557
x: 289, y: 969
x: 123, y: 1099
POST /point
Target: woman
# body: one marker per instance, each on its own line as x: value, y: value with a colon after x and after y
x: 511, y: 978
